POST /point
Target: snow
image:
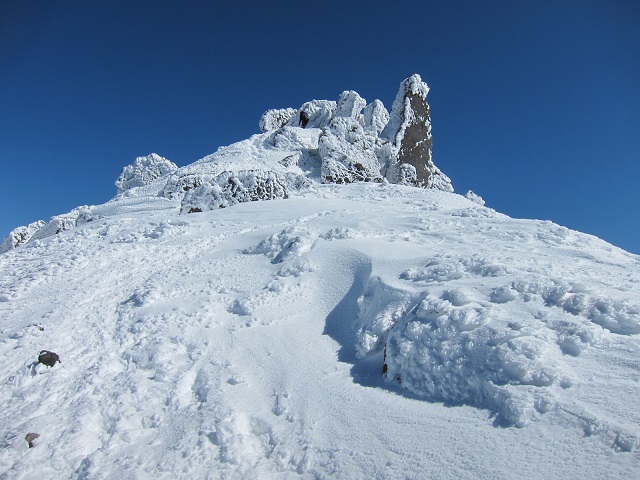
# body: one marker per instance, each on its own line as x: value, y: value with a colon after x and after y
x: 249, y: 341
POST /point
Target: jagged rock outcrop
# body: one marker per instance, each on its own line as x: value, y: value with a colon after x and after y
x: 143, y: 171
x: 409, y: 155
x: 346, y: 149
x: 57, y: 224
x: 40, y: 229
x: 20, y: 236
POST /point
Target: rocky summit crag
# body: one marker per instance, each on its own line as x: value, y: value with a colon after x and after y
x: 343, y: 141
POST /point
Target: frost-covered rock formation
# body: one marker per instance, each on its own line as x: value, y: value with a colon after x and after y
x: 143, y: 171
x: 325, y: 141
x: 274, y: 119
x: 19, y: 236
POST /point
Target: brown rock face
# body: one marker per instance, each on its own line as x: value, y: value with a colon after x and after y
x: 408, y: 157
x: 416, y: 144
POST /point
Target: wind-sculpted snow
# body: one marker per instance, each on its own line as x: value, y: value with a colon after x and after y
x: 483, y: 333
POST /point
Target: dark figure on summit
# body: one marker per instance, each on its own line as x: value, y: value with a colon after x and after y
x: 304, y: 119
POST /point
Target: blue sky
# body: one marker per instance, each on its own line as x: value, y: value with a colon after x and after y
x: 535, y: 104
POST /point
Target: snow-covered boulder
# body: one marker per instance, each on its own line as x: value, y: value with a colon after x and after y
x: 143, y: 171
x: 276, y: 118
x: 19, y: 236
x: 474, y: 197
x: 409, y: 134
x: 230, y: 188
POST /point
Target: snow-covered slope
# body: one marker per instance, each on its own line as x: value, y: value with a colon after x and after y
x: 353, y: 326
x: 250, y: 342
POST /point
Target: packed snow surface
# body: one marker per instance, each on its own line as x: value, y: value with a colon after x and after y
x: 250, y: 342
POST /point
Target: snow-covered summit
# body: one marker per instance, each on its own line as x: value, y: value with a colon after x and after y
x: 323, y: 141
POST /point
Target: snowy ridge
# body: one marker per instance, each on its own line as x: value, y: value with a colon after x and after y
x: 250, y: 342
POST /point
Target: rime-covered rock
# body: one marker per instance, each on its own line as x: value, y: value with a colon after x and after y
x: 409, y: 134
x: 57, y: 224
x: 19, y: 236
x: 143, y: 171
x: 320, y: 113
x: 376, y: 117
x: 230, y: 188
x: 348, y: 153
x: 276, y: 118
x: 350, y: 105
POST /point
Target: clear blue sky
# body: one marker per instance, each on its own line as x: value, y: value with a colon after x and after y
x: 535, y: 104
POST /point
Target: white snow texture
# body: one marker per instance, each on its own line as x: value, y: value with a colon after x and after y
x: 340, y: 330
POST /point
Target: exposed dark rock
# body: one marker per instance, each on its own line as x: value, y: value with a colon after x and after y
x: 304, y: 119
x: 48, y: 358
x: 409, y: 132
x: 30, y: 437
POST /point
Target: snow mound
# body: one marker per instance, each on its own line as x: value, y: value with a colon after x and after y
x: 475, y: 198
x: 290, y: 243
